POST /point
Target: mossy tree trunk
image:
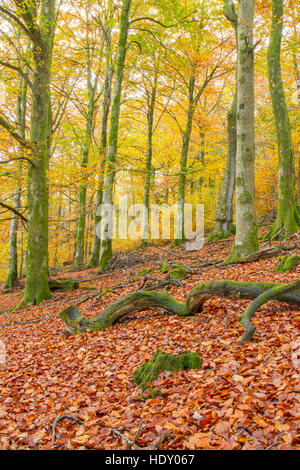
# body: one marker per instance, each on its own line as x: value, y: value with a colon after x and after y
x: 288, y: 220
x: 106, y: 237
x: 151, y: 99
x: 246, y: 241
x: 13, y: 234
x: 297, y: 75
x: 41, y: 28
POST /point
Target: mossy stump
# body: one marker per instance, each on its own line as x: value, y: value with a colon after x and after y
x: 178, y: 272
x: 148, y: 372
x: 65, y: 286
x: 288, y: 263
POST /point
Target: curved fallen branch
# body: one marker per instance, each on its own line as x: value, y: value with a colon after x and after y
x: 62, y: 418
x: 141, y: 301
x: 262, y: 299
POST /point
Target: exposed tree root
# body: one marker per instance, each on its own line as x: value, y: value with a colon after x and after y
x: 274, y: 293
x: 132, y: 443
x: 141, y: 301
x: 67, y: 285
x: 288, y: 263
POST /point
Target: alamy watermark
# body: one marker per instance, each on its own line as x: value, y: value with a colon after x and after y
x: 160, y: 222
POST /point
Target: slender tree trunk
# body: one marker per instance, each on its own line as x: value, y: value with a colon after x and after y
x: 106, y: 238
x: 246, y: 241
x: 150, y: 119
x: 81, y: 221
x: 297, y: 75
x: 183, y: 164
x: 13, y: 234
x: 37, y: 288
x: 288, y: 220
x: 103, y: 147
x: 224, y: 209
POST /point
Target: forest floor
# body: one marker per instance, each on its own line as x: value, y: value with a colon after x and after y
x: 244, y: 397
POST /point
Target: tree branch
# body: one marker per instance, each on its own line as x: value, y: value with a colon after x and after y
x: 4, y: 123
x: 12, y: 209
x: 17, y: 69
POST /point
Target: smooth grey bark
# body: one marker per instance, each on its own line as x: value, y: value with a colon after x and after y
x: 224, y: 209
x: 89, y: 130
x: 106, y: 236
x: 13, y: 234
x: 151, y: 99
x: 246, y: 241
x: 183, y: 163
x: 102, y: 152
x: 288, y: 219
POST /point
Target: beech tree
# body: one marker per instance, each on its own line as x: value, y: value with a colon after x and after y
x: 246, y: 241
x: 38, y: 22
x: 224, y: 209
x: 106, y: 241
x: 288, y: 219
x: 13, y: 234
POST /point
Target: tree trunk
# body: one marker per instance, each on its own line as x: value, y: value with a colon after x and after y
x: 103, y: 146
x: 13, y: 234
x: 288, y: 220
x: 37, y: 288
x: 183, y: 165
x: 297, y: 75
x: 224, y: 210
x: 106, y: 236
x: 81, y: 221
x: 246, y: 241
x: 150, y: 119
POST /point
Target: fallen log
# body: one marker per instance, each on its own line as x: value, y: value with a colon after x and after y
x: 141, y: 301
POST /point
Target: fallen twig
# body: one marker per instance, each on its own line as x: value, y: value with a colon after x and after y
x: 61, y: 418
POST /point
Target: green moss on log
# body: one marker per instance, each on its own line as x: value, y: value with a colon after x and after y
x: 288, y: 263
x: 142, y: 301
x: 164, y: 268
x: 65, y: 286
x: 148, y: 372
x: 178, y: 272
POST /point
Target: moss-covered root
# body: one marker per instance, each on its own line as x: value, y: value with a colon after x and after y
x: 273, y: 293
x: 217, y: 235
x: 131, y: 303
x: 288, y: 263
x: 143, y: 300
x: 148, y: 372
x: 65, y: 286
